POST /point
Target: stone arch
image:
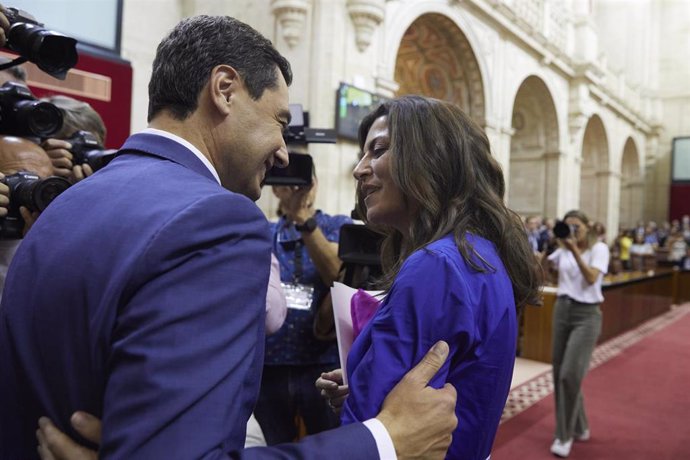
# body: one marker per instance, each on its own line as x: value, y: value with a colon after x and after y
x: 435, y: 59
x: 595, y: 173
x: 534, y: 150
x: 632, y: 186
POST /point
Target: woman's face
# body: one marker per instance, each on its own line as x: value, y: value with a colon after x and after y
x: 384, y: 201
x: 578, y: 227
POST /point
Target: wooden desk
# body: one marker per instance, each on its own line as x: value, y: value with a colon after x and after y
x: 629, y: 299
x: 682, y: 291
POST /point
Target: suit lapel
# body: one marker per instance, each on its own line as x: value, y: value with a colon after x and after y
x: 166, y: 148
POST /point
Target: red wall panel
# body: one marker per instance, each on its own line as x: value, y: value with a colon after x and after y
x: 680, y: 200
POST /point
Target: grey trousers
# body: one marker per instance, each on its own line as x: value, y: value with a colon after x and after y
x: 576, y: 328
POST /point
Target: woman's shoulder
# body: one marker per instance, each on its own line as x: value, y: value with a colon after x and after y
x: 445, y: 251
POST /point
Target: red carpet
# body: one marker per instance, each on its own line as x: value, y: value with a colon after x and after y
x: 638, y: 405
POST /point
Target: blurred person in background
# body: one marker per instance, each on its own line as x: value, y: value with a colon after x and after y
x: 77, y: 116
x: 305, y: 242
x: 18, y: 154
x: 581, y: 262
x: 599, y: 230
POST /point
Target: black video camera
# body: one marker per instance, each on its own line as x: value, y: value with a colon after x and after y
x: 32, y: 192
x: 299, y: 132
x: 301, y: 168
x: 562, y: 230
x: 359, y: 244
x: 53, y: 52
x: 87, y: 149
x: 298, y: 173
x: 22, y: 115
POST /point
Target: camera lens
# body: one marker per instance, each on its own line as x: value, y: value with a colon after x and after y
x: 561, y: 230
x: 46, y: 190
x: 44, y: 119
x: 35, y: 118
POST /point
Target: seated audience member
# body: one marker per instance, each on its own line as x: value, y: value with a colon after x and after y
x: 685, y: 228
x: 532, y: 227
x: 77, y: 116
x: 18, y: 154
x: 676, y: 245
x: 650, y: 234
x: 641, y: 246
x: 663, y: 233
x: 624, y: 242
x: 547, y: 240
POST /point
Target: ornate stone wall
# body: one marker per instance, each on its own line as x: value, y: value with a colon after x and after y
x: 565, y: 118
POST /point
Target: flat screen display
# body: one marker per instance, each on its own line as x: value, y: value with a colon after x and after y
x: 680, y: 170
x: 96, y: 22
x: 352, y: 105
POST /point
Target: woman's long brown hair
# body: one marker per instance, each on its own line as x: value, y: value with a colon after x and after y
x: 441, y: 161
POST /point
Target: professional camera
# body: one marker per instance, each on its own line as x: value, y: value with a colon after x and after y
x: 51, y: 51
x: 32, y: 192
x: 87, y: 149
x: 299, y: 172
x: 359, y: 248
x: 562, y: 230
x: 299, y: 132
x: 22, y: 115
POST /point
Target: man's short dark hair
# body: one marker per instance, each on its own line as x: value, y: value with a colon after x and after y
x: 185, y: 58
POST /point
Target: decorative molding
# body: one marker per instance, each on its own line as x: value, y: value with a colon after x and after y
x: 386, y: 87
x: 292, y: 17
x: 366, y: 15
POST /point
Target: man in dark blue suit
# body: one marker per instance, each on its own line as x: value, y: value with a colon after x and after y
x: 139, y: 294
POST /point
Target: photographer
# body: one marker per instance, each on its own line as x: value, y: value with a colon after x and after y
x: 305, y: 243
x: 581, y: 261
x: 17, y: 154
x: 77, y: 116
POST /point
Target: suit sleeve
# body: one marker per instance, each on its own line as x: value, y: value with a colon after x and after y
x: 187, y: 345
x: 347, y: 442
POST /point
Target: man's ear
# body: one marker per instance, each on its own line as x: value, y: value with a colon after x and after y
x: 225, y: 83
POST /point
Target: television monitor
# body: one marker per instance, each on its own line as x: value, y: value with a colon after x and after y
x: 352, y: 105
x: 680, y: 168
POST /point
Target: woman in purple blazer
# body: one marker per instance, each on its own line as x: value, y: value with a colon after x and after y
x: 456, y: 261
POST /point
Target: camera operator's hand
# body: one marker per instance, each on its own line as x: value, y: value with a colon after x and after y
x: 4, y: 197
x: 29, y: 218
x: 80, y: 172
x: 570, y: 243
x: 296, y: 202
x: 60, y: 156
x: 4, y: 26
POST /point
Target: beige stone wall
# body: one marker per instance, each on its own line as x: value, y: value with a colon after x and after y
x: 610, y: 62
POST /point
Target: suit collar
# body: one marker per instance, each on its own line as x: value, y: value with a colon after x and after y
x: 167, y: 148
